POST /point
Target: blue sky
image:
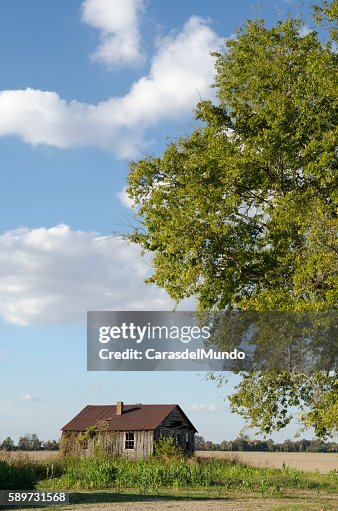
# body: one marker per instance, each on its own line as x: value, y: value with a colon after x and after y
x: 85, y: 87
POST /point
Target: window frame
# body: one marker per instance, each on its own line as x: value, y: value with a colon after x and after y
x: 129, y: 443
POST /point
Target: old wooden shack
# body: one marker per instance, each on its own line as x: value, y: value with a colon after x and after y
x: 126, y: 430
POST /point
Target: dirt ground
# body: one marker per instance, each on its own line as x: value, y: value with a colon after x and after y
x: 249, y: 505
x: 216, y: 505
x: 306, y: 503
x: 307, y: 461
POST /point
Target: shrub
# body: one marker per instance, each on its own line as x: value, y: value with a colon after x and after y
x: 14, y: 477
x: 167, y: 448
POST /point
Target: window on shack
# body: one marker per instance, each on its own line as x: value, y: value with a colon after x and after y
x: 129, y: 441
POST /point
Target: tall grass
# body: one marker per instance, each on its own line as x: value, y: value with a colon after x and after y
x: 153, y: 474
x: 13, y: 477
x: 22, y: 472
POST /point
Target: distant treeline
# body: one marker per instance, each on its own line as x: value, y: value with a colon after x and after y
x: 29, y: 442
x: 244, y: 443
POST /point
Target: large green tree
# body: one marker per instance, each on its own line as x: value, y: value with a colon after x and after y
x: 242, y: 213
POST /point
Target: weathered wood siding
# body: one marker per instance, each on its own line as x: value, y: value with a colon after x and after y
x: 114, y: 442
x: 111, y: 442
x: 176, y: 425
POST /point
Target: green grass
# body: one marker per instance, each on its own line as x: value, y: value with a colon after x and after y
x: 13, y: 477
x: 22, y: 472
x: 218, y: 477
x: 154, y: 474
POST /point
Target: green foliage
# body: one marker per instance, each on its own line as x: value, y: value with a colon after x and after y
x: 167, y: 448
x: 154, y: 474
x: 25, y: 469
x: 51, y: 445
x: 15, y: 477
x: 267, y: 401
x: 29, y: 442
x: 242, y: 214
x: 87, y: 473
x: 89, y: 433
x: 327, y: 14
x: 244, y: 443
x: 8, y: 444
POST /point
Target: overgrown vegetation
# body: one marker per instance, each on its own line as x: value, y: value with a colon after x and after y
x: 166, y: 448
x: 153, y: 474
x: 22, y: 472
x: 16, y: 477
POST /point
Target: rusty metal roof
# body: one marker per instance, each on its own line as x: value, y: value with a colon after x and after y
x: 134, y: 417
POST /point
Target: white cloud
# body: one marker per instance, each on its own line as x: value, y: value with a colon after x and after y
x: 29, y: 398
x: 304, y: 31
x: 55, y: 275
x: 181, y: 72
x: 124, y: 199
x: 117, y: 21
x: 209, y: 408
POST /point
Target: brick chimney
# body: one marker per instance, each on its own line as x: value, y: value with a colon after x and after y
x: 119, y: 408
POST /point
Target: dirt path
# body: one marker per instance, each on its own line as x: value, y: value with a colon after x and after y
x: 180, y: 506
x: 300, y: 502
x: 316, y: 504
